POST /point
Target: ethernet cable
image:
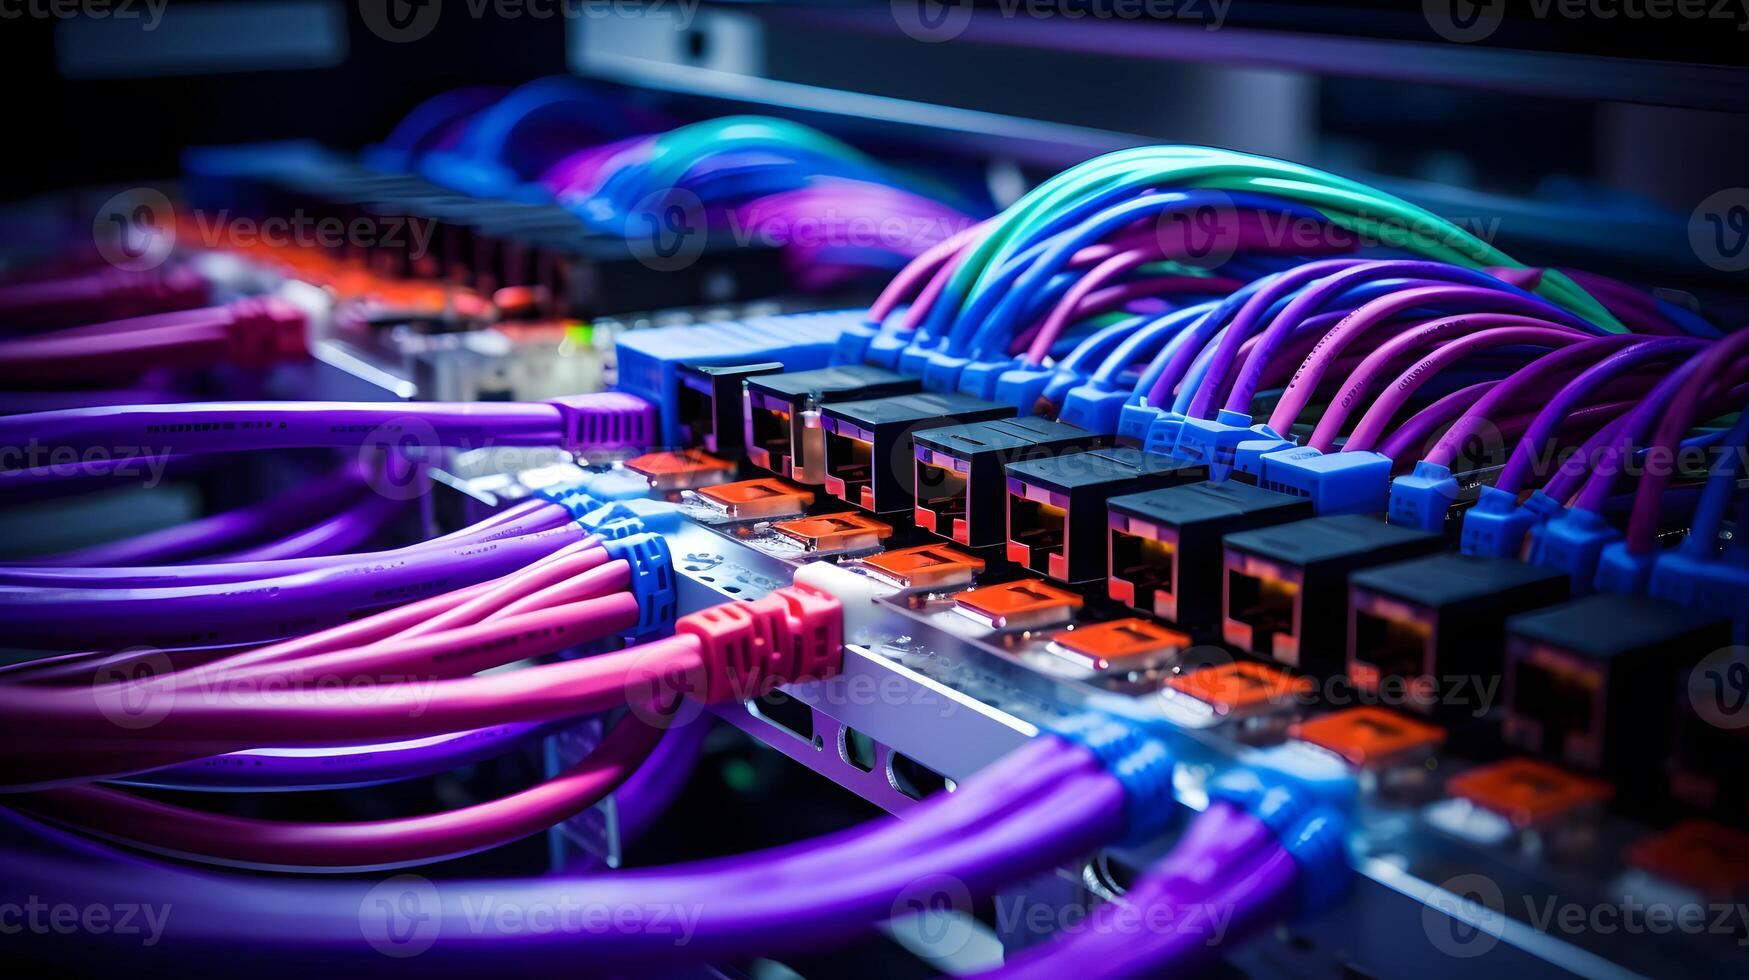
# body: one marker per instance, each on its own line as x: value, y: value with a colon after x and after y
x: 214, y: 838
x: 1719, y: 366
x: 251, y: 333
x: 605, y: 420
x: 99, y: 296
x: 792, y: 636
x: 1347, y: 203
x: 1045, y: 803
x: 554, y: 603
x: 1459, y: 337
x: 243, y: 527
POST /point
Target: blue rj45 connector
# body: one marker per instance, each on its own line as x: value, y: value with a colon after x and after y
x: 1336, y: 483
x: 1496, y: 525
x: 1423, y: 497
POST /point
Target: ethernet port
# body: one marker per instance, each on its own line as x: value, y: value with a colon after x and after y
x: 1145, y: 563
x: 941, y: 490
x: 695, y: 411
x: 770, y: 433
x: 850, y: 460
x: 1039, y: 528
x: 1394, y: 647
x: 1559, y: 701
x: 1267, y: 605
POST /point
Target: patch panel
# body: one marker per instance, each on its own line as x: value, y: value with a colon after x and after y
x: 1056, y: 506
x: 1583, y: 681
x: 1166, y: 545
x: 781, y: 417
x: 1433, y: 627
x: 960, y: 472
x: 1286, y: 590
x: 869, y: 447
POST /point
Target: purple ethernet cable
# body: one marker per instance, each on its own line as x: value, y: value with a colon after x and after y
x: 515, y: 523
x: 604, y: 420
x: 1044, y: 804
x: 296, y: 769
x: 62, y: 618
x: 336, y: 535
x: 233, y: 529
x: 1228, y: 875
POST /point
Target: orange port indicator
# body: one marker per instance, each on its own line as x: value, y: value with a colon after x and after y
x: 1120, y: 640
x: 836, y: 532
x: 926, y: 567
x: 1368, y: 736
x: 1526, y: 791
x: 764, y: 497
x: 1019, y: 605
x: 1708, y: 857
x: 1241, y: 686
x: 685, y: 469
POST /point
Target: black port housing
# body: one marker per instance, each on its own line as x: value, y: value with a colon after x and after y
x: 1166, y: 553
x: 1057, y: 505
x: 709, y: 403
x: 776, y: 437
x: 1436, y: 625
x: 869, y: 449
x: 960, y: 488
x: 1593, y: 683
x: 1286, y: 588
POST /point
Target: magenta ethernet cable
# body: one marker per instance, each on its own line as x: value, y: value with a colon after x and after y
x: 241, y: 841
x: 251, y: 333
x: 98, y: 296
